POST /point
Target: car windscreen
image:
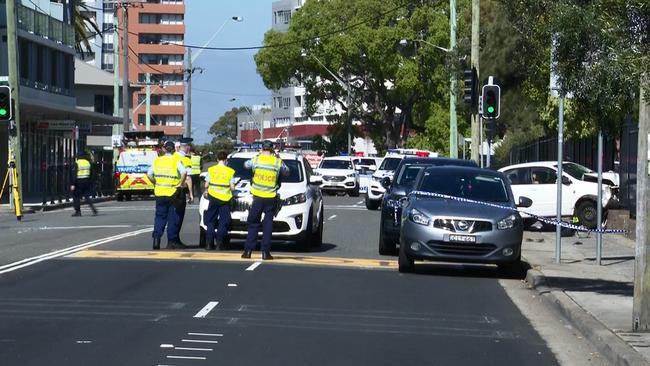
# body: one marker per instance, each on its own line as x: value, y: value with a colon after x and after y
x: 577, y: 171
x: 296, y: 174
x: 367, y: 162
x: 336, y: 164
x: 408, y: 173
x: 390, y: 164
x: 473, y: 185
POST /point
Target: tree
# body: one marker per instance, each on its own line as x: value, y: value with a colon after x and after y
x: 226, y: 126
x: 85, y: 27
x: 360, y: 41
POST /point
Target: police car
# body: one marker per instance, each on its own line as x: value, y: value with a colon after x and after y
x: 339, y: 174
x: 387, y: 168
x: 301, y: 217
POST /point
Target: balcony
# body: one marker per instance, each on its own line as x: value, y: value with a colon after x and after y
x: 43, y: 25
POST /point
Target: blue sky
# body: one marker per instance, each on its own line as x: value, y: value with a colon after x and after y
x: 227, y: 74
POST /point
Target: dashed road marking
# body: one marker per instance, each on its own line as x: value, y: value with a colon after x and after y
x: 187, y: 357
x: 331, y: 218
x: 206, y: 334
x: 165, y: 345
x: 206, y: 309
x: 235, y: 257
x: 253, y: 266
x: 232, y: 285
x: 197, y: 341
x: 194, y: 349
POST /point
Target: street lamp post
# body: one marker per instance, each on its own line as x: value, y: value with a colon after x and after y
x: 346, y: 86
x: 453, y: 122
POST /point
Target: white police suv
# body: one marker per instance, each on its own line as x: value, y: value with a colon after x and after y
x: 339, y: 174
x: 301, y: 217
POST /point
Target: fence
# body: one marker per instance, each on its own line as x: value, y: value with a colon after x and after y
x: 57, y: 179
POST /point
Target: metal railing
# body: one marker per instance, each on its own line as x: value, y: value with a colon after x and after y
x: 45, y: 26
x: 56, y: 182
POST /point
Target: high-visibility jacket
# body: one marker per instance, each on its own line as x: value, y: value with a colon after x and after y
x: 266, y: 169
x: 187, y: 162
x: 165, y: 171
x: 83, y: 169
x: 220, y: 178
x: 196, y: 164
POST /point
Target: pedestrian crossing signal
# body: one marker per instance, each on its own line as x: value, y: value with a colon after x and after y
x: 5, y: 103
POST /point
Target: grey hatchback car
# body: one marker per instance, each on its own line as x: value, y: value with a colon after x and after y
x: 446, y: 229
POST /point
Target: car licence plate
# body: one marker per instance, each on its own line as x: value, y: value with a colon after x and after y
x: 462, y: 239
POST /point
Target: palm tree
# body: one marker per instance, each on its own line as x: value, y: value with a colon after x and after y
x: 85, y: 27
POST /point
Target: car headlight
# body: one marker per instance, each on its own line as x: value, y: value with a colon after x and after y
x: 377, y: 179
x: 418, y: 217
x: 507, y: 223
x: 294, y: 200
x: 317, y: 174
x: 351, y: 175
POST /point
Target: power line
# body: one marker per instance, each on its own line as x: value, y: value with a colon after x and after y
x: 229, y: 94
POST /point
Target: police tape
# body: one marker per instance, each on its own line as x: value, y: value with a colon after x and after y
x: 545, y: 220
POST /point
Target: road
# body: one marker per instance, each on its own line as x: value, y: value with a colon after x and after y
x: 98, y: 295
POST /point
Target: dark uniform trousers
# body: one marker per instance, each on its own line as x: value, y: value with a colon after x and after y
x: 82, y: 189
x: 166, y: 215
x: 259, y: 206
x: 218, y: 210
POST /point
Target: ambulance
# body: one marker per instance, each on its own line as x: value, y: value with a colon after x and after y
x: 136, y: 156
x: 387, y: 168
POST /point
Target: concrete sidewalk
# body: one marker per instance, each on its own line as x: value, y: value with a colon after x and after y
x: 595, y: 299
x: 34, y: 204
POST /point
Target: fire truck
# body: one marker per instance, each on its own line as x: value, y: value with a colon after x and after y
x: 136, y: 155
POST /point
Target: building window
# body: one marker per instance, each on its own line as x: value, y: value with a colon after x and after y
x: 160, y: 59
x: 281, y: 102
x: 164, y: 79
x: 162, y: 119
x: 24, y: 59
x: 145, y: 38
x: 282, y: 16
x: 166, y: 19
x: 104, y: 104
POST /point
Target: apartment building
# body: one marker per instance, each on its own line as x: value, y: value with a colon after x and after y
x: 156, y: 33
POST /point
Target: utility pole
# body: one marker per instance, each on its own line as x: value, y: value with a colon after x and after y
x: 148, y: 101
x: 476, y: 130
x: 349, y: 105
x: 453, y: 123
x: 125, y: 66
x: 641, y: 307
x: 14, y: 129
x: 190, y: 71
x: 116, y: 67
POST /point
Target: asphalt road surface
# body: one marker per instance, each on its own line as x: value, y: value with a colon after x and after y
x: 89, y: 291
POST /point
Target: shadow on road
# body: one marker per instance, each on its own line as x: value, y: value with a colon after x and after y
x: 470, y: 270
x: 591, y: 285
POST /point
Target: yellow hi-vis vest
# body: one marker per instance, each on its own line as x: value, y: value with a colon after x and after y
x: 220, y: 178
x: 196, y: 164
x: 165, y: 171
x: 265, y: 176
x: 83, y: 169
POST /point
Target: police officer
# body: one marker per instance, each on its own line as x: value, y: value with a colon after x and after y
x: 186, y: 195
x: 167, y: 173
x: 264, y: 185
x: 219, y: 184
x: 196, y: 173
x: 82, y: 184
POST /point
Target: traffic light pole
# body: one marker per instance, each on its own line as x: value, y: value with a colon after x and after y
x: 475, y: 123
x: 453, y: 123
x: 14, y: 126
x: 125, y: 66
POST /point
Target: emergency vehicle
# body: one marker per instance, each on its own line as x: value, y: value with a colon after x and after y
x: 136, y: 155
x: 387, y: 168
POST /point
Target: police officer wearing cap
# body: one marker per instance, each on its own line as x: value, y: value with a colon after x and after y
x: 264, y: 186
x: 219, y: 184
x: 82, y: 184
x: 181, y: 155
x: 167, y: 173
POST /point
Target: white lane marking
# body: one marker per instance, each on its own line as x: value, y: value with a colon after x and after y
x: 187, y: 357
x: 360, y: 202
x: 206, y: 334
x: 331, y: 218
x: 197, y: 341
x: 164, y: 345
x: 232, y: 285
x: 253, y: 266
x: 194, y: 349
x: 206, y: 309
x: 90, y: 227
x: 66, y: 251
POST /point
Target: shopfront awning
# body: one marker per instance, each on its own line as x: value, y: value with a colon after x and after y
x: 35, y: 110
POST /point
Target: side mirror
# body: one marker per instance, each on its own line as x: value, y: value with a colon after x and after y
x: 566, y: 181
x: 385, y: 182
x: 524, y: 202
x: 315, y: 180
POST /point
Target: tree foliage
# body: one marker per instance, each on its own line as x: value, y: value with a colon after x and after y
x: 85, y: 27
x: 395, y: 87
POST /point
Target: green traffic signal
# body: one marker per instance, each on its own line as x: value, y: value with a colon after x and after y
x: 3, y: 112
x: 490, y: 109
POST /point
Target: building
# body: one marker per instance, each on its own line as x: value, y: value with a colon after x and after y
x: 155, y: 38
x: 102, y: 45
x: 53, y: 129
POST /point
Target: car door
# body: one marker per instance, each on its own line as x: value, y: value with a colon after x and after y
x: 314, y: 192
x: 522, y: 186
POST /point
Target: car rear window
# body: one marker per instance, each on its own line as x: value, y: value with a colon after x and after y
x: 336, y: 164
x: 478, y: 186
x: 296, y: 174
x: 390, y: 164
x: 408, y: 173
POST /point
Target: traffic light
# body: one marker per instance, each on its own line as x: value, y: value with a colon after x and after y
x: 470, y: 89
x: 5, y: 103
x: 491, y: 101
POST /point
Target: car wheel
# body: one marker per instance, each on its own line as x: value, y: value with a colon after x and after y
x: 317, y: 240
x: 587, y: 214
x: 372, y: 204
x: 386, y: 247
x: 304, y: 242
x: 201, y: 237
x: 405, y: 264
x: 354, y: 192
x: 129, y: 197
x: 120, y: 197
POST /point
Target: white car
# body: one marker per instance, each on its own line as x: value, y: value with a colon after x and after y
x: 339, y: 174
x: 387, y: 168
x: 301, y: 217
x: 537, y: 181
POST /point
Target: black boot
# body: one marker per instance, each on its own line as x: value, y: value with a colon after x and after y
x: 210, y: 245
x: 175, y: 244
x: 267, y: 256
x: 156, y: 243
x: 246, y: 254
